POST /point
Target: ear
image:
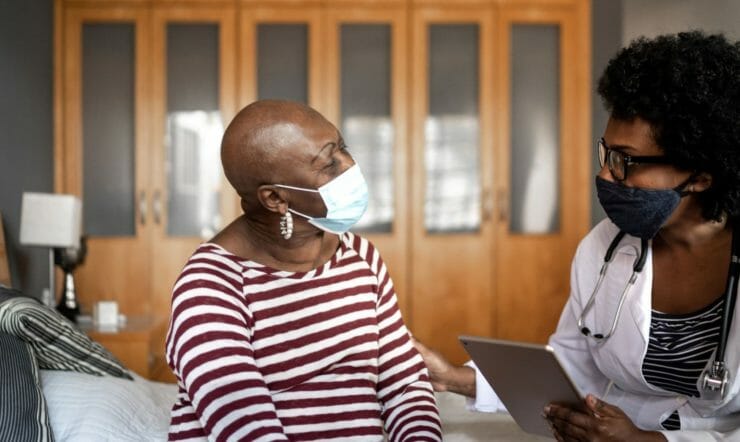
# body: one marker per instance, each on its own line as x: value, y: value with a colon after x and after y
x: 701, y: 182
x: 272, y: 199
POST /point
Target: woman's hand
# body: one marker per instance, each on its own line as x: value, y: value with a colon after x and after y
x: 445, y: 376
x: 597, y: 421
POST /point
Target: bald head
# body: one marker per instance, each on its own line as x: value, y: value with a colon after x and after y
x: 257, y: 138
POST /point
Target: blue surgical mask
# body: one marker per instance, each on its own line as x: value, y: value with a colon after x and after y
x: 345, y: 198
x: 639, y: 212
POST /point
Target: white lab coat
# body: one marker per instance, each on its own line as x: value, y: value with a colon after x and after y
x: 613, y: 370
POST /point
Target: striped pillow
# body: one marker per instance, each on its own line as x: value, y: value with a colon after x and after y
x: 23, y: 415
x: 57, y: 344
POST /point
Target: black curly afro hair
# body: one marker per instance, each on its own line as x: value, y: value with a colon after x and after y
x: 687, y: 86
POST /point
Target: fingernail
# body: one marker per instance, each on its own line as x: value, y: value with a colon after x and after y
x: 547, y: 409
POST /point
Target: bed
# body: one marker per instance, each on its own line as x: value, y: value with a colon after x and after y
x: 114, y: 409
x: 58, y: 385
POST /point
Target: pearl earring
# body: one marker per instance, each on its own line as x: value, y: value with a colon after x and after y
x: 286, y: 225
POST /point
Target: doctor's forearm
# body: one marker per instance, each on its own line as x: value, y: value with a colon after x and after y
x: 461, y: 380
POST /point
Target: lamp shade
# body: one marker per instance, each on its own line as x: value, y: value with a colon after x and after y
x: 51, y: 220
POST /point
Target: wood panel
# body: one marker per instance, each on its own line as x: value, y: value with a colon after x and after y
x: 169, y: 253
x: 450, y: 273
x: 4, y: 267
x: 394, y: 246
x: 116, y: 268
x: 533, y: 270
x: 134, y: 344
x: 58, y: 97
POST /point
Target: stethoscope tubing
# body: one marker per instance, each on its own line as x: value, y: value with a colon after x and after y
x: 730, y: 296
x: 637, y: 267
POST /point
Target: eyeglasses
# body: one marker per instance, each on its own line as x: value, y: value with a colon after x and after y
x: 618, y: 161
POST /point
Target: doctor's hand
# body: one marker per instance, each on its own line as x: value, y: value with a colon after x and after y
x: 445, y: 376
x: 596, y: 421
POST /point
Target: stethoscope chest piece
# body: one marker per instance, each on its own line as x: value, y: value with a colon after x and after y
x: 714, y: 381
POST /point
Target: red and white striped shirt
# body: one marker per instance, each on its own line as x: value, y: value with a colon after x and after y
x: 262, y: 354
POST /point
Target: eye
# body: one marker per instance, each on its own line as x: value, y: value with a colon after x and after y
x: 338, y: 153
x: 618, y: 159
x: 331, y: 164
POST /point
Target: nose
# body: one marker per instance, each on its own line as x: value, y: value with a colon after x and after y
x: 347, y: 161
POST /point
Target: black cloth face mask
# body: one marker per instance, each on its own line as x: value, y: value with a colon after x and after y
x: 636, y: 211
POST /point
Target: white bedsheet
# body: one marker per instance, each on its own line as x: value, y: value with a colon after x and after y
x: 462, y: 425
x: 86, y: 408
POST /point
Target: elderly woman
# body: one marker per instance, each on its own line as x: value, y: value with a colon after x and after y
x: 285, y: 326
x: 670, y: 181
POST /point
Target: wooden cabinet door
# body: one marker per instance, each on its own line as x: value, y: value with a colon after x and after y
x: 542, y: 163
x: 500, y: 168
x: 365, y: 83
x: 451, y: 154
x: 193, y: 99
x: 103, y: 153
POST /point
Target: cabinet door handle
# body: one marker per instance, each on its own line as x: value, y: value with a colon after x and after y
x: 503, y: 205
x: 142, y: 207
x: 486, y: 204
x: 157, y: 207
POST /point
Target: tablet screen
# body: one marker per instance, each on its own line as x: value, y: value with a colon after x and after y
x: 526, y: 377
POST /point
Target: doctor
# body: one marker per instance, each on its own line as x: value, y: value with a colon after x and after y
x: 669, y: 179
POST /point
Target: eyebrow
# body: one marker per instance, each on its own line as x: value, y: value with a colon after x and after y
x: 620, y: 147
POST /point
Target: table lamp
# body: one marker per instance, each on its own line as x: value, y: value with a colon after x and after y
x: 54, y: 221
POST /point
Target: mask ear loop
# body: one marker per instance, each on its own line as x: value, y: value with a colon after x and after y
x: 285, y: 186
x: 681, y: 188
x: 286, y: 221
x: 300, y: 214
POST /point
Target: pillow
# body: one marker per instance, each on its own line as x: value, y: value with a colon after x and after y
x: 7, y: 293
x: 56, y: 342
x: 23, y: 414
x: 115, y: 409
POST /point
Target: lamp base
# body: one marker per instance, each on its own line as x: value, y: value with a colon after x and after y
x: 68, y: 306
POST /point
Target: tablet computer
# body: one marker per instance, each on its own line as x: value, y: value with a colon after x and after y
x: 526, y: 377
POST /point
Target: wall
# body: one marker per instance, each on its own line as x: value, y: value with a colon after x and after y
x: 666, y: 16
x: 606, y: 39
x: 26, y: 149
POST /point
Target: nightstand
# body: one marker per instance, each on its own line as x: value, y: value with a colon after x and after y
x: 136, y: 344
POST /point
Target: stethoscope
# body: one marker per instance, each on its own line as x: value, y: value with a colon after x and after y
x: 714, y: 380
